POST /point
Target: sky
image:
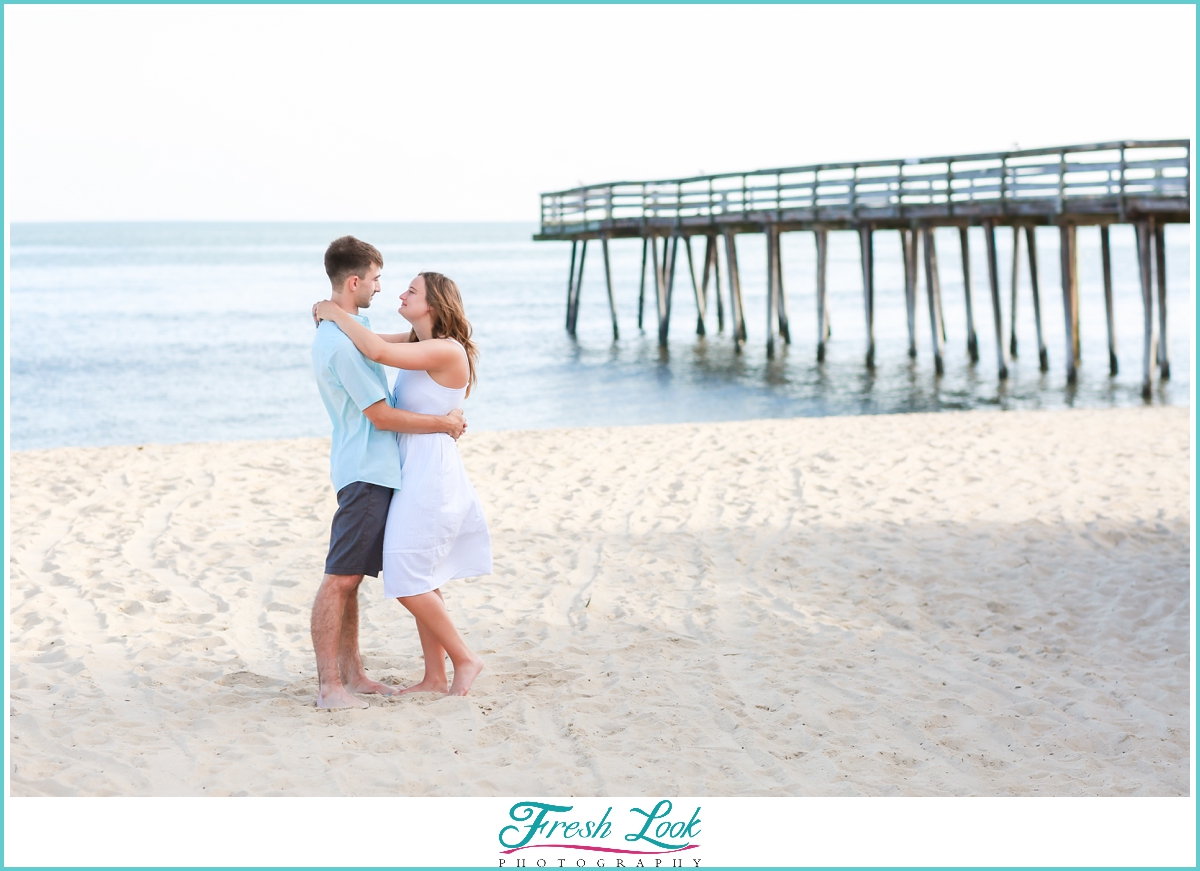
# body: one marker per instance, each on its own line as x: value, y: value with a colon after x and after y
x: 467, y: 113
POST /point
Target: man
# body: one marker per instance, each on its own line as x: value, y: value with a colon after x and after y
x: 365, y: 468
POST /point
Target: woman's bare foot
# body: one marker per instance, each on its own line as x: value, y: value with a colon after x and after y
x: 465, y: 675
x: 337, y: 697
x: 365, y: 685
x: 425, y: 686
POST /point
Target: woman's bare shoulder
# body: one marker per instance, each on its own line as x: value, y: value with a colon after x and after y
x: 448, y: 342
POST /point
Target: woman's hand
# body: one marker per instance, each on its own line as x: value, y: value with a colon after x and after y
x: 323, y: 311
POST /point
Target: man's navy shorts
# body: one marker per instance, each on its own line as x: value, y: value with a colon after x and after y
x: 356, y: 539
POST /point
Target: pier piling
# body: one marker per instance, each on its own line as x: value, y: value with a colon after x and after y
x: 669, y: 271
x: 1070, y: 288
x: 934, y: 292
x: 1145, y: 239
x: 772, y: 287
x: 1145, y: 183
x: 575, y: 286
x: 972, y: 338
x: 712, y: 269
x: 716, y: 265
x: 822, y: 237
x: 908, y: 254
x: 571, y: 285
x: 1031, y: 248
x: 642, y: 283
x: 867, y: 250
x: 664, y: 281
x: 735, y: 291
x: 660, y: 291
x: 781, y: 311
x: 989, y: 236
x: 1012, y: 308
x: 1160, y: 263
x: 697, y: 288
x: 1106, y: 265
x: 612, y: 303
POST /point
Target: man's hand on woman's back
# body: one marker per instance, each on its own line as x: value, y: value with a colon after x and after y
x: 456, y: 424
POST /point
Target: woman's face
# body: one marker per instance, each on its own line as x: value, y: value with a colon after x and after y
x: 412, y: 302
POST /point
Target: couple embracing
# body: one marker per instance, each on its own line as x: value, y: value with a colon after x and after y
x: 405, y: 504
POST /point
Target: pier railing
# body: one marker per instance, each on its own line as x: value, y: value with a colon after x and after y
x: 1110, y: 177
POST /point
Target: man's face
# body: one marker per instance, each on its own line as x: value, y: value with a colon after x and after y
x: 366, y: 286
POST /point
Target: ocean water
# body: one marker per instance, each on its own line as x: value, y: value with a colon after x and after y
x: 131, y: 333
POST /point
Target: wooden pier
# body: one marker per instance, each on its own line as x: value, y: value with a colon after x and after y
x: 1143, y: 183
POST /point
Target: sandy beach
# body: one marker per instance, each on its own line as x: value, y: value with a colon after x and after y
x: 973, y: 603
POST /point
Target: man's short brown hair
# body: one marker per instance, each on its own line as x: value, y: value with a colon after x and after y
x: 349, y: 256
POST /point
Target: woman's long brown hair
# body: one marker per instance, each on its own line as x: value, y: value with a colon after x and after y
x: 449, y: 320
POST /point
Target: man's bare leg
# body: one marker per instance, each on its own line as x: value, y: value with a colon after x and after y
x: 350, y: 667
x: 430, y: 610
x: 327, y: 614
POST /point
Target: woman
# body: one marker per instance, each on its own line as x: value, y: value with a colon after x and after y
x: 435, y: 530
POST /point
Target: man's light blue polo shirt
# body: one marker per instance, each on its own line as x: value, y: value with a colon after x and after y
x: 348, y: 383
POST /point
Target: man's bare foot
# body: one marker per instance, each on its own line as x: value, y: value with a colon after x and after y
x: 465, y: 675
x: 364, y: 684
x: 427, y: 685
x: 337, y: 697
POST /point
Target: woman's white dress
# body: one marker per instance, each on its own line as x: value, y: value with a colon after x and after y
x: 435, y: 530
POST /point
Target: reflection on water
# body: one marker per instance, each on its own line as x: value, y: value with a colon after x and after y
x: 128, y: 333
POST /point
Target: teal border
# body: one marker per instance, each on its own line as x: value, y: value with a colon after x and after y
x: 3, y: 381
